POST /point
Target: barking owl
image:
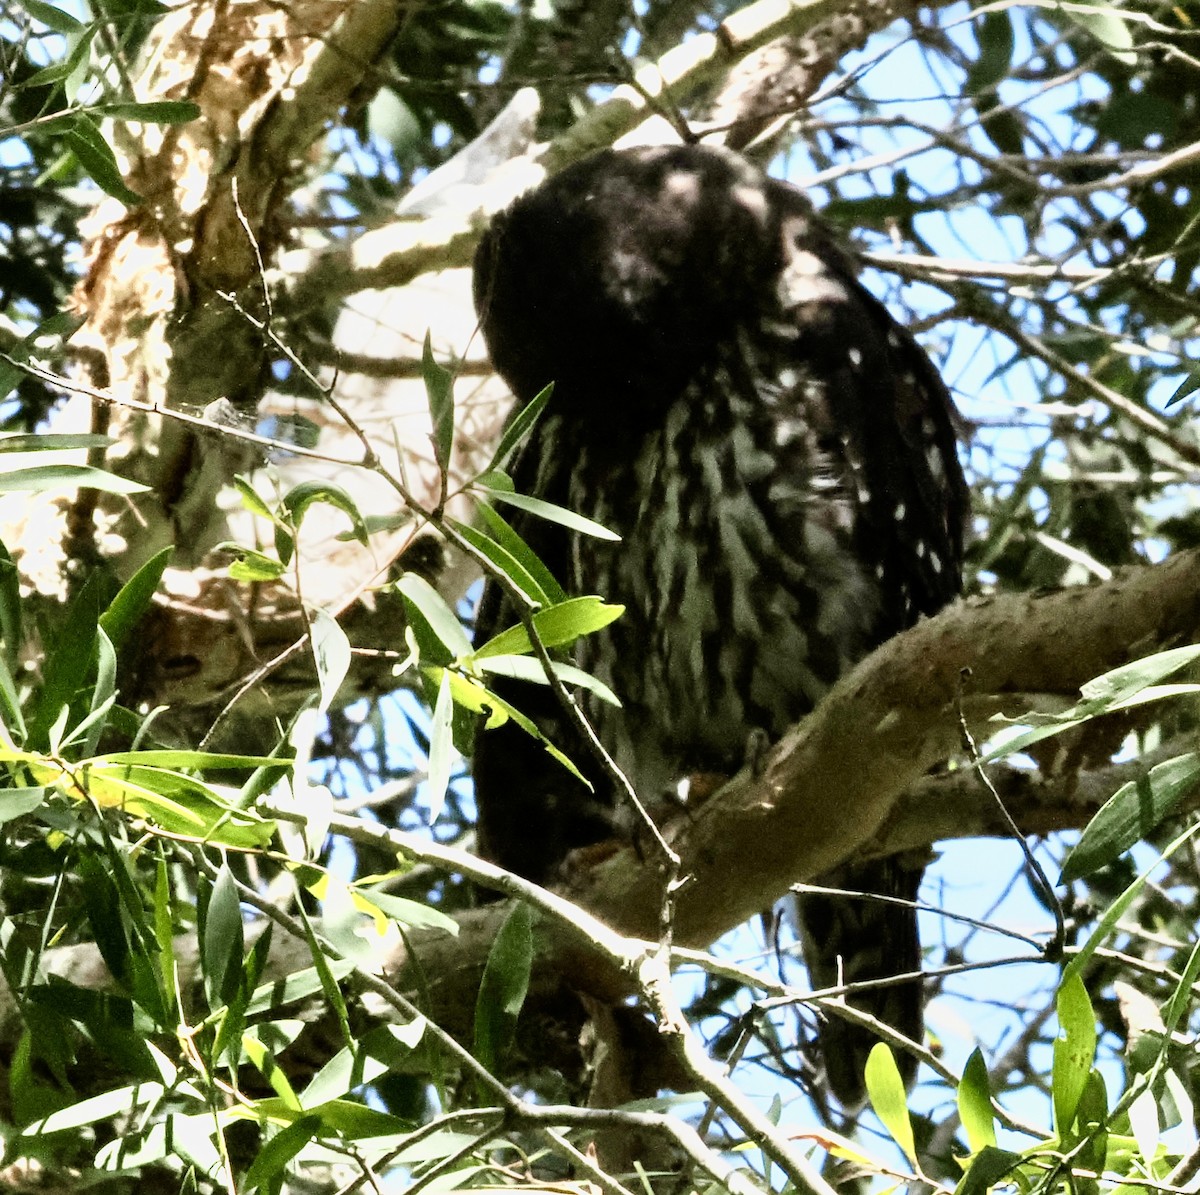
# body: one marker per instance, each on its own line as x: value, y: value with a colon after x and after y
x: 779, y: 459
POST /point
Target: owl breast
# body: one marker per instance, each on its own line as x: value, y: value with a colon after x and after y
x: 746, y: 595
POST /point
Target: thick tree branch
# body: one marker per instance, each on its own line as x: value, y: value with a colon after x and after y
x: 883, y: 726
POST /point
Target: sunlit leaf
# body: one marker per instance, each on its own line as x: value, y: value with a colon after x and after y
x: 436, y: 626
x: 331, y: 655
x: 553, y: 514
x: 279, y: 1150
x: 1074, y: 1050
x: 1131, y: 813
x: 300, y: 498
x: 889, y: 1099
x: 506, y: 564
x: 556, y: 626
x: 1107, y: 25
x: 96, y: 157
x: 504, y: 535
x: 528, y: 669
x: 441, y: 749
x: 975, y: 1103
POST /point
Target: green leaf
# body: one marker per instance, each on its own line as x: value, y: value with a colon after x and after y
x: 325, y: 970
x: 1107, y: 26
x: 519, y: 427
x: 181, y: 757
x: 1181, y: 997
x: 505, y: 563
x: 1131, y: 813
x: 155, y: 112
x: 1124, y: 687
x: 298, y: 500
x: 345, y: 1071
x: 438, y: 631
x: 101, y: 700
x: 503, y: 987
x: 441, y: 749
x: 51, y: 16
x: 352, y: 1120
x: 1118, y: 687
x: 10, y: 613
x: 55, y: 479
x: 297, y: 986
x: 989, y: 1167
x: 164, y: 934
x: 885, y: 1090
x: 556, y: 626
x: 93, y: 153
x: 1116, y: 910
x: 121, y: 1101
x: 17, y: 802
x: 1189, y: 385
x: 253, y: 501
x: 1074, y: 1051
x: 410, y: 913
x: 222, y: 940
x: 439, y: 390
x: 504, y: 535
x: 476, y: 697
x: 1091, y: 1117
x: 553, y: 514
x: 179, y: 804
x: 125, y: 611
x: 975, y: 1103
x: 69, y: 660
x: 528, y: 669
x: 260, y: 1044
x: 10, y: 704
x: 383, y: 1048
x: 331, y: 655
x: 50, y: 441
x: 102, y: 903
x: 280, y: 1150
x: 252, y: 565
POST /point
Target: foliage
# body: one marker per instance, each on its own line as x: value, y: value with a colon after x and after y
x: 194, y: 938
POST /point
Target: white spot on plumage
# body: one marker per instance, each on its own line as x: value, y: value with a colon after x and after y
x: 807, y: 279
x: 856, y: 357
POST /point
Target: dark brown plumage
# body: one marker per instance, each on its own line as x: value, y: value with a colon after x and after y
x: 779, y: 458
